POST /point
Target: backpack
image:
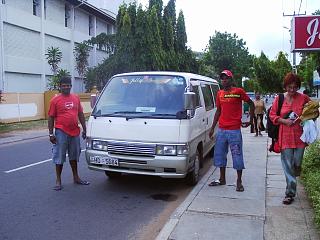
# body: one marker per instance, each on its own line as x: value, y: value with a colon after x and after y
x: 273, y: 130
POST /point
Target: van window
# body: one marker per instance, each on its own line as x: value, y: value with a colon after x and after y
x: 143, y: 95
x: 195, y: 89
x: 214, y: 89
x: 208, y: 97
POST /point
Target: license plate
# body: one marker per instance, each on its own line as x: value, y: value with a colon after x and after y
x: 104, y: 160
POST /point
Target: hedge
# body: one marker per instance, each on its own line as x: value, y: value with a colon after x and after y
x: 311, y: 177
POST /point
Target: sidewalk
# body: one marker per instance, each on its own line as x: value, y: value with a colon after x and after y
x: 17, y: 136
x: 257, y: 213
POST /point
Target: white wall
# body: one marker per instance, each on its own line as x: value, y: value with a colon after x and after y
x: 101, y: 27
x: 21, y: 42
x: 27, y: 37
x: 24, y: 83
x: 24, y: 5
x: 55, y: 11
x: 81, y: 23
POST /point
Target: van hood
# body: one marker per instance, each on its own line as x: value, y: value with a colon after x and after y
x: 135, y: 129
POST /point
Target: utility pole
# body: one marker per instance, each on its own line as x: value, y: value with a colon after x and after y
x: 294, y: 64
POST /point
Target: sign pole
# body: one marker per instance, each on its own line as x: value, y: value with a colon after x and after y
x: 294, y: 67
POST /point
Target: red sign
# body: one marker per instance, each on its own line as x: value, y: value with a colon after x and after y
x: 305, y: 32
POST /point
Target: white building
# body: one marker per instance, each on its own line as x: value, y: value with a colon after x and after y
x: 29, y: 27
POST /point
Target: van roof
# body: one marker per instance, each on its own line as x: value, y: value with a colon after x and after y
x: 182, y: 74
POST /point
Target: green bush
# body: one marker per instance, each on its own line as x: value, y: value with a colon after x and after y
x: 311, y: 177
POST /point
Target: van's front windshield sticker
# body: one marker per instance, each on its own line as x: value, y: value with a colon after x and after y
x: 145, y: 109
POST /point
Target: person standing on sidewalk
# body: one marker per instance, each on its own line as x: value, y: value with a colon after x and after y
x: 290, y: 131
x: 229, y: 114
x: 64, y: 112
x: 259, y: 110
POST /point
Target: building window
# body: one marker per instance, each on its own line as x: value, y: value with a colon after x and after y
x: 90, y: 25
x: 67, y: 12
x: 35, y: 7
x: 3, y: 1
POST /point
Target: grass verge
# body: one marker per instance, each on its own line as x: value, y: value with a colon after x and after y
x: 311, y: 177
x: 20, y: 126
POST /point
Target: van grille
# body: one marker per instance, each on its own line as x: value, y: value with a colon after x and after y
x: 130, y: 148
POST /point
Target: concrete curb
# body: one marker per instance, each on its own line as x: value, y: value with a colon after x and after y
x: 175, y: 217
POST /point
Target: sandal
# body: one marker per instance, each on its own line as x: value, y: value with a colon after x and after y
x: 82, y: 182
x: 287, y: 200
x: 217, y: 182
x: 240, y: 188
x: 57, y: 188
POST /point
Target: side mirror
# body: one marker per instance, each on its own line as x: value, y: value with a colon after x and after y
x: 189, y: 100
x: 93, y: 99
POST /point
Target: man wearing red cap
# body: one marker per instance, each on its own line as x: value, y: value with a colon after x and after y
x: 228, y: 115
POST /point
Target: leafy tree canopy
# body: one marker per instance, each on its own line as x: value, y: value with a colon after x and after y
x: 227, y: 51
x: 151, y: 39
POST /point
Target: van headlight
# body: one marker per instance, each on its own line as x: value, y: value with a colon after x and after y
x: 99, y: 145
x: 172, y: 150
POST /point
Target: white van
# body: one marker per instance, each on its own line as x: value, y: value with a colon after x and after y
x: 152, y: 123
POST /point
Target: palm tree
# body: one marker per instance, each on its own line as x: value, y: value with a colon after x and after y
x: 54, y: 56
x: 55, y: 80
x: 81, y: 52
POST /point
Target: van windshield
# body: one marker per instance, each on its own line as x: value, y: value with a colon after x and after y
x: 142, y: 96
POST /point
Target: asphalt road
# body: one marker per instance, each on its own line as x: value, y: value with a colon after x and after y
x: 132, y: 207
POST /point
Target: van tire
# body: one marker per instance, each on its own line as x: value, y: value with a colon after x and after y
x: 193, y: 176
x: 112, y: 175
x: 211, y: 152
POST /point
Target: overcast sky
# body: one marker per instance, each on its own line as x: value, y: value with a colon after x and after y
x: 260, y: 23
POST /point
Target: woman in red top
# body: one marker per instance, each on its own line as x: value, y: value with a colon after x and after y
x: 290, y: 131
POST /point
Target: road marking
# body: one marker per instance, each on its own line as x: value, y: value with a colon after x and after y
x: 31, y: 165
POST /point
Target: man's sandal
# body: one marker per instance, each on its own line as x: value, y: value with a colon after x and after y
x: 240, y: 188
x: 217, y: 182
x: 287, y: 200
x: 57, y: 188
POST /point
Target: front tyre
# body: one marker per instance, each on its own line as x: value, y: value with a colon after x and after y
x: 193, y: 176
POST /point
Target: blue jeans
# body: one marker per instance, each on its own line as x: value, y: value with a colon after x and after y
x: 225, y: 139
x: 290, y: 159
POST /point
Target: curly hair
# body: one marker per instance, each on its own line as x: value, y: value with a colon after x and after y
x: 292, y: 78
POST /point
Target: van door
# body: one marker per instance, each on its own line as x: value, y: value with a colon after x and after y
x: 209, y: 114
x: 197, y: 120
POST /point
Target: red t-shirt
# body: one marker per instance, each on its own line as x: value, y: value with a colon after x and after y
x: 65, y: 109
x: 230, y: 103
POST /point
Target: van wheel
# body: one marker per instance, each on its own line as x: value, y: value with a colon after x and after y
x: 211, y: 152
x: 112, y: 174
x: 193, y: 176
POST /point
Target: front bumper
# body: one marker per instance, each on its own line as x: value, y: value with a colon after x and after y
x: 162, y: 166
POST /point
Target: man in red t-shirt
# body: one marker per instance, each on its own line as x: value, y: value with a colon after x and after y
x: 64, y: 111
x: 229, y: 114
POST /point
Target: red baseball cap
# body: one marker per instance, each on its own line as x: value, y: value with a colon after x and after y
x: 227, y: 73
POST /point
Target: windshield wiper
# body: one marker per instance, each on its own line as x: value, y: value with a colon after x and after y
x: 127, y: 112
x: 162, y: 115
x: 102, y: 115
x: 114, y: 114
